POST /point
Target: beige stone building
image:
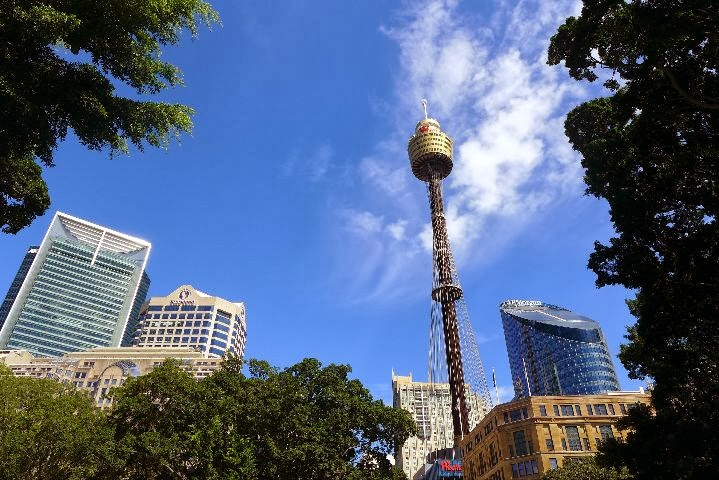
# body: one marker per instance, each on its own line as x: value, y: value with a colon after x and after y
x: 431, y: 407
x: 190, y: 318
x: 526, y: 437
x: 100, y: 369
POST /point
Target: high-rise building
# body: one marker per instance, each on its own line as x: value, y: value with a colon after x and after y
x: 431, y: 407
x: 83, y: 290
x: 17, y: 283
x: 527, y: 437
x: 191, y: 318
x: 553, y: 351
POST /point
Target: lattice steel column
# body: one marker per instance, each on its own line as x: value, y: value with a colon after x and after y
x: 446, y: 292
x: 430, y: 154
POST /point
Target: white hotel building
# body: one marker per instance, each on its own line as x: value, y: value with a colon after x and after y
x: 191, y: 318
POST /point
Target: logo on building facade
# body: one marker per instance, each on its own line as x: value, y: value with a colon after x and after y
x: 449, y: 468
x: 182, y: 296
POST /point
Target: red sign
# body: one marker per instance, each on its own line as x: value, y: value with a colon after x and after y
x: 450, y: 466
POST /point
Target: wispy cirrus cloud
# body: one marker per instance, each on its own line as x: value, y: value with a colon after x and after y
x: 314, y: 164
x: 488, y: 83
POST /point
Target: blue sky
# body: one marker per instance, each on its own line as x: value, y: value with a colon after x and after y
x: 294, y: 193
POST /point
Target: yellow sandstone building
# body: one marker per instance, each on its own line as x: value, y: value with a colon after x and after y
x: 99, y: 370
x: 529, y: 436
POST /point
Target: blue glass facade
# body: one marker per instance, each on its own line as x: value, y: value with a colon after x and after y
x: 553, y: 351
x: 129, y: 336
x: 79, y: 292
x: 17, y: 283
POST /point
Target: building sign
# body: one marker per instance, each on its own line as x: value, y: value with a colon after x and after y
x: 449, y: 468
x: 182, y: 298
x: 522, y: 303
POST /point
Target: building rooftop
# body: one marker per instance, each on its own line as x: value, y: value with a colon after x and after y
x: 537, y: 311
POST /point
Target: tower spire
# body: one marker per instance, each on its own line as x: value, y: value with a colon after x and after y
x: 430, y: 155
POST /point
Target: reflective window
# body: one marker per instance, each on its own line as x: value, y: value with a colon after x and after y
x: 606, y: 432
x: 520, y: 444
x: 600, y: 409
x: 573, y: 438
x: 567, y: 411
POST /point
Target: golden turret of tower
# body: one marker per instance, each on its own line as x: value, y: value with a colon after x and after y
x: 429, y: 149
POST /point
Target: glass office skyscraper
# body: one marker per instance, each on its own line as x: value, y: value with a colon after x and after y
x: 17, y: 283
x: 553, y: 351
x: 83, y: 289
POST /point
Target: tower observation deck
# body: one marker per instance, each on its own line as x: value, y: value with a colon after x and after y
x: 453, y: 348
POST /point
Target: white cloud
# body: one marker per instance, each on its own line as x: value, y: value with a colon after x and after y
x: 488, y: 83
x: 312, y: 166
x: 363, y: 223
x: 397, y: 229
x: 506, y: 393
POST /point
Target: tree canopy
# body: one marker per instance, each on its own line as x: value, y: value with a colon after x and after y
x: 58, y: 61
x: 651, y: 149
x: 585, y: 469
x: 50, y: 431
x: 304, y: 422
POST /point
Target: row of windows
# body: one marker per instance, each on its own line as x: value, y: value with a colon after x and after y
x: 176, y: 339
x: 196, y: 323
x: 524, y: 469
x: 564, y: 411
x: 179, y: 331
x: 523, y: 445
x: 178, y: 315
x: 516, y: 415
x: 184, y: 308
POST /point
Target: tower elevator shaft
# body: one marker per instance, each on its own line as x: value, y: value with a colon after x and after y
x: 446, y: 292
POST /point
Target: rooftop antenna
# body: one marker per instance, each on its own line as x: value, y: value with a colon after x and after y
x: 424, y: 106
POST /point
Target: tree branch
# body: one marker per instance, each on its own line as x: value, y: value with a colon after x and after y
x: 687, y: 95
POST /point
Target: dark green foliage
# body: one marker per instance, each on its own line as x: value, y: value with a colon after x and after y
x: 49, y: 431
x: 169, y: 427
x: 586, y: 469
x: 651, y: 149
x: 57, y: 58
x: 304, y: 422
x: 310, y: 422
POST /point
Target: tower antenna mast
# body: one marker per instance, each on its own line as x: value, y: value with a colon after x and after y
x: 430, y: 155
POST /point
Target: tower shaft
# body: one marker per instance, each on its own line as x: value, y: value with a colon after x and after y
x: 447, y: 293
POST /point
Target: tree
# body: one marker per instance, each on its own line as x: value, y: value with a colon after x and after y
x: 585, y: 469
x: 651, y: 149
x: 58, y: 60
x: 312, y: 422
x: 50, y: 431
x: 169, y: 426
x: 304, y: 422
